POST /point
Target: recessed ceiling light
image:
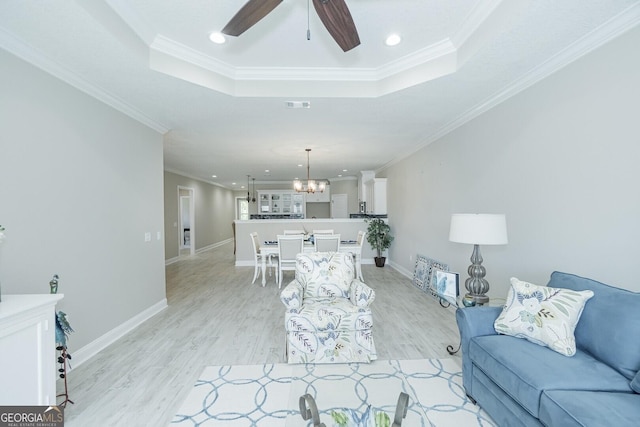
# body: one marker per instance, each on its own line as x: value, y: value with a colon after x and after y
x: 344, y: 170
x: 299, y: 167
x: 392, y: 40
x: 217, y: 38
x: 266, y: 170
x: 214, y: 176
x: 233, y: 183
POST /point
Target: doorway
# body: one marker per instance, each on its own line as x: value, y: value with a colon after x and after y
x: 242, y: 208
x: 186, y: 221
x: 339, y: 206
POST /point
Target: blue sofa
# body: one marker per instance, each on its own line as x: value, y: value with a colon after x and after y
x: 519, y: 383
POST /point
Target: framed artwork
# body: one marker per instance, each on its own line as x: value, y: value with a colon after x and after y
x: 423, y: 272
x: 446, y: 285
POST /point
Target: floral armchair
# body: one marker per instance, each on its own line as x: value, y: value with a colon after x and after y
x: 328, y: 319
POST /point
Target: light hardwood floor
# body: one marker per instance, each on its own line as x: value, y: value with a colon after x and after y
x: 217, y: 317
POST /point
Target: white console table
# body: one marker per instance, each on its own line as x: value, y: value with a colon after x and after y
x: 27, y: 349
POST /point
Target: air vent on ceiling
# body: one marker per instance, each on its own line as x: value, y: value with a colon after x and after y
x: 298, y: 104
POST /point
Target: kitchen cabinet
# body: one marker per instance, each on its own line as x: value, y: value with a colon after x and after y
x: 376, y: 192
x: 281, y: 202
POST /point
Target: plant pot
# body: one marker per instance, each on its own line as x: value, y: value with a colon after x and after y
x: 380, y: 261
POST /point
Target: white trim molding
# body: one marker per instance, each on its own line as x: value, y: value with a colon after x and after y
x: 94, y: 347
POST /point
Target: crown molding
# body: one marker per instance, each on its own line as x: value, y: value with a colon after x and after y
x: 613, y: 28
x: 22, y: 50
x: 186, y: 175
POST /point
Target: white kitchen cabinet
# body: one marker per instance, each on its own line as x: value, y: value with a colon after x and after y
x: 28, y: 349
x: 280, y: 202
x: 376, y: 192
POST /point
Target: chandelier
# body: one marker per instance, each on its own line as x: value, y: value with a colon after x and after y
x: 312, y: 184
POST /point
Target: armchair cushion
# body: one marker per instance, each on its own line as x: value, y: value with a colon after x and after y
x: 325, y: 274
x: 329, y: 331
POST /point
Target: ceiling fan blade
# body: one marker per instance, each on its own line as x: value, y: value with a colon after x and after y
x: 248, y: 15
x: 336, y: 17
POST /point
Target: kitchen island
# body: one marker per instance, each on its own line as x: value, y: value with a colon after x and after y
x: 268, y: 229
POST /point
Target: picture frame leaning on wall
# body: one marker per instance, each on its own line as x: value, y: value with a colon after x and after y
x: 446, y: 286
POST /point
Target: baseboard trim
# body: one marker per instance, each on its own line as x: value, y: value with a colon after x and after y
x: 206, y: 248
x: 214, y: 245
x: 94, y: 347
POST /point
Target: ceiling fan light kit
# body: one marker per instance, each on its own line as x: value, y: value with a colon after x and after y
x: 334, y: 14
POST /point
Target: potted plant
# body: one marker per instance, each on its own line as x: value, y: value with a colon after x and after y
x: 379, y: 237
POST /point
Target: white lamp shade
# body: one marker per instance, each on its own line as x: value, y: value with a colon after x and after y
x: 479, y: 229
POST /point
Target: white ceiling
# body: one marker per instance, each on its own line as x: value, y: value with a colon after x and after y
x: 222, y: 107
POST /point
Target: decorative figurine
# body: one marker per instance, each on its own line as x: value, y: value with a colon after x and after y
x: 53, y: 284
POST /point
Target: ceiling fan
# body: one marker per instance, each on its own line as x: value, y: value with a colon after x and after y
x: 334, y: 14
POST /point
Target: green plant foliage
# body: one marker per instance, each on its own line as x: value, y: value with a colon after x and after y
x: 378, y: 235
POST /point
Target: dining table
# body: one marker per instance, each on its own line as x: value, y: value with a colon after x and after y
x: 270, y: 247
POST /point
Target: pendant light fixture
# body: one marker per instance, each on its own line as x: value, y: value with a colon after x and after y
x: 312, y: 185
x: 253, y: 190
x: 249, y: 195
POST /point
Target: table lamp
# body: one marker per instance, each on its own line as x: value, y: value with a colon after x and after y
x: 476, y: 230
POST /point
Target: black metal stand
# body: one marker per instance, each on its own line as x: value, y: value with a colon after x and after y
x: 62, y: 359
x: 450, y: 348
x: 451, y: 351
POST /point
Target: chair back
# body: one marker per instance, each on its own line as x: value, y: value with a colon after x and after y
x: 325, y: 274
x: 293, y: 232
x: 360, y: 238
x: 256, y: 244
x: 289, y: 246
x: 326, y: 242
x: 316, y: 232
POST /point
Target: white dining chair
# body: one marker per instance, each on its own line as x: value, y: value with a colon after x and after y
x: 326, y: 242
x: 289, y: 246
x: 315, y: 232
x: 257, y: 257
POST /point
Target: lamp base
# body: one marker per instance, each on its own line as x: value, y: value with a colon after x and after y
x: 476, y: 284
x: 477, y: 299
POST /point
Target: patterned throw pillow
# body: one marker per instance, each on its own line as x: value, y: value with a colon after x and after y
x: 542, y: 315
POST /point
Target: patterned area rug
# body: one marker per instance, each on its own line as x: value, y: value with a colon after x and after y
x: 268, y: 395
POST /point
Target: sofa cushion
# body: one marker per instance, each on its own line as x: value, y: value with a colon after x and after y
x: 569, y: 408
x: 635, y: 383
x: 524, y: 370
x: 543, y: 315
x: 609, y: 325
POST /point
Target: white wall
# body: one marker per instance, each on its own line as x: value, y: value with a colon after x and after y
x: 80, y: 184
x: 560, y: 159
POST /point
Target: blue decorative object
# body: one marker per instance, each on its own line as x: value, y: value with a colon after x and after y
x: 63, y: 329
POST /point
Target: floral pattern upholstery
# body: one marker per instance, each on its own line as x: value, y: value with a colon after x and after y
x: 328, y: 319
x: 543, y: 315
